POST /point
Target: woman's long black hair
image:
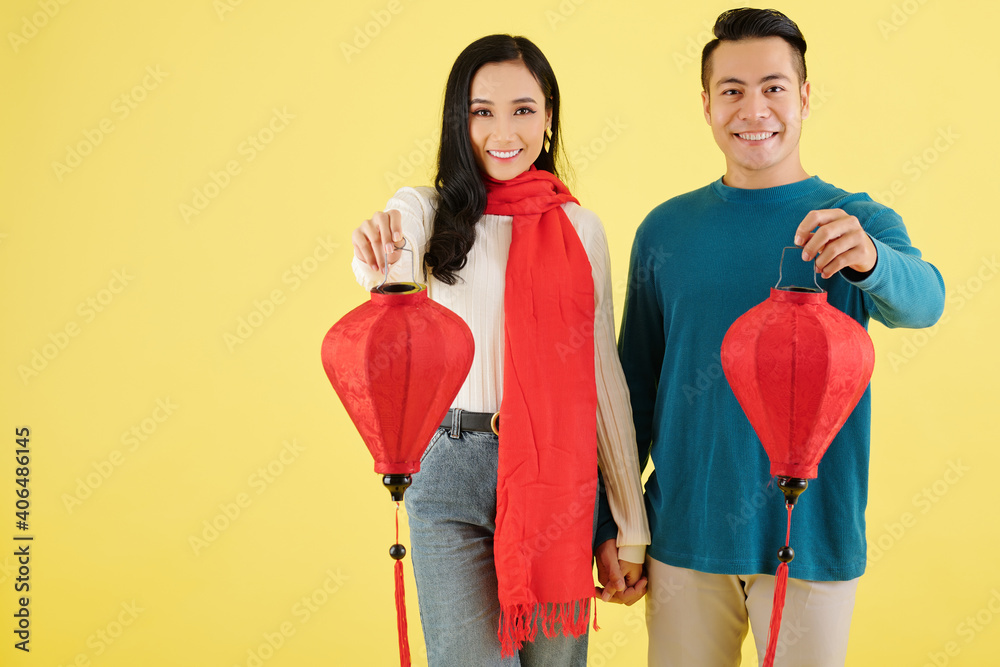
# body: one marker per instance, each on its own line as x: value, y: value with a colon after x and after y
x: 461, y: 192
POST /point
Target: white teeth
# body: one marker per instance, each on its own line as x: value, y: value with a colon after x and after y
x: 504, y: 154
x: 756, y: 136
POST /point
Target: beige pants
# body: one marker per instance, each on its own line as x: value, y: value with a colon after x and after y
x: 699, y: 619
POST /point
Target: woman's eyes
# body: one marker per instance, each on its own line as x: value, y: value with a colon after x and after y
x: 484, y: 113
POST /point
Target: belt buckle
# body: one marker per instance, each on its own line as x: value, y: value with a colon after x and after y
x: 495, y: 423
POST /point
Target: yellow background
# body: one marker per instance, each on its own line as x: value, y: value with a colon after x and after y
x: 115, y: 579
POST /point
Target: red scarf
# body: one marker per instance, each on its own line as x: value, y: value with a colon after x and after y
x: 547, y: 473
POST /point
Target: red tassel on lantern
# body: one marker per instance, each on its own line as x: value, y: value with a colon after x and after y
x: 797, y: 366
x: 397, y: 363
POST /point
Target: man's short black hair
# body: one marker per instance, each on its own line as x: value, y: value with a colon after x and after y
x: 734, y: 25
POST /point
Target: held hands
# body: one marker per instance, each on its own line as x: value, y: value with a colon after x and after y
x: 838, y: 242
x: 376, y: 237
x: 623, y: 582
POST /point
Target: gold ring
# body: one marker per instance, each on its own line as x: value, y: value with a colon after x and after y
x: 495, y: 423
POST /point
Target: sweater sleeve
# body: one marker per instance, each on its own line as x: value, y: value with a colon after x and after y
x: 642, y: 339
x: 902, y: 290
x: 616, y: 451
x: 417, y: 217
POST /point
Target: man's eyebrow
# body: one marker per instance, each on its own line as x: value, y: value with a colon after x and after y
x: 741, y: 82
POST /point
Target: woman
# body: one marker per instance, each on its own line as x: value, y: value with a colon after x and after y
x: 501, y: 526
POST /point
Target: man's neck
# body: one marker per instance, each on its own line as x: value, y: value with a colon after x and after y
x: 756, y: 180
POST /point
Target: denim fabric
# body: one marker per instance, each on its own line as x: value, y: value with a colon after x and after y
x: 452, y: 511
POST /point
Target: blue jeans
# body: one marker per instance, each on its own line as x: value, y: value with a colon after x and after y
x: 452, y: 511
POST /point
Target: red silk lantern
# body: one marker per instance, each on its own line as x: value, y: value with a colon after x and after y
x: 798, y: 367
x: 397, y: 363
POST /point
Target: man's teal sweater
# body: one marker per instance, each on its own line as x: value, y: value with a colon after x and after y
x: 699, y: 261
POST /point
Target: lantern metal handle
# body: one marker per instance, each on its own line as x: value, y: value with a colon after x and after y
x: 796, y: 288
x: 413, y: 268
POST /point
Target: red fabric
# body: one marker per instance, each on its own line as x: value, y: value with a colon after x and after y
x: 797, y: 366
x: 547, y: 477
x: 379, y: 358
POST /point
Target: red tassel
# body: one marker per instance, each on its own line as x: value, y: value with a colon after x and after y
x: 778, y: 604
x: 777, y: 607
x: 596, y: 626
x: 404, y: 642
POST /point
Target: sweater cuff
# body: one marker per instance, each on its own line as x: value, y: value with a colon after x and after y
x: 632, y: 553
x: 856, y: 277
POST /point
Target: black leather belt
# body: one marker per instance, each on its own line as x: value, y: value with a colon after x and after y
x: 458, y: 420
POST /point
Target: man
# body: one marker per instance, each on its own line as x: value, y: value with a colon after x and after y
x: 699, y: 261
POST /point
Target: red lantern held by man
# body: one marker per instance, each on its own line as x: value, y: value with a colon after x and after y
x: 798, y: 367
x: 397, y: 363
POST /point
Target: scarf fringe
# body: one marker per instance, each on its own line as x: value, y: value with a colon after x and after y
x: 520, y: 623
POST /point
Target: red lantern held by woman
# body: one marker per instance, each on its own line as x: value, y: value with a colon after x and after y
x: 397, y: 363
x: 797, y: 366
